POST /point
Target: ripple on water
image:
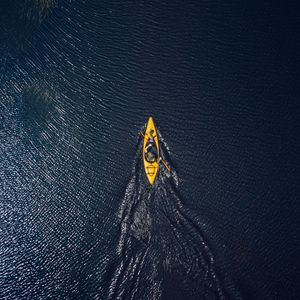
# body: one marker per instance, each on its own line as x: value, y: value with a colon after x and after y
x: 162, y: 251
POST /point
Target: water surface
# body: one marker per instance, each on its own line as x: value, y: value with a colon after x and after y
x: 78, y: 82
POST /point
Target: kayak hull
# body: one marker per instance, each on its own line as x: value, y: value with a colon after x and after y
x: 151, y: 169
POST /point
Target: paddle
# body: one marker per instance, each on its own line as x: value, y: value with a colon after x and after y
x: 160, y: 159
x: 165, y: 164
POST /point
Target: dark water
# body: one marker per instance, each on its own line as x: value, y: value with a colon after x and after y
x: 79, y: 80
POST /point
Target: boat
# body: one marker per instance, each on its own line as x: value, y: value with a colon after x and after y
x: 151, y: 167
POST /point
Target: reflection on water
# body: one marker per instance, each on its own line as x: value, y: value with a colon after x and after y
x: 36, y: 10
x: 19, y: 19
x: 38, y: 104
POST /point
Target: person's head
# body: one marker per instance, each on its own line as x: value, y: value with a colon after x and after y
x: 151, y: 157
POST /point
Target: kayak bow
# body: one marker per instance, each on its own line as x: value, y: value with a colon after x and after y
x: 151, y: 168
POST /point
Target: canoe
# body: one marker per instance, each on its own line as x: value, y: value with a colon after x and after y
x: 151, y: 168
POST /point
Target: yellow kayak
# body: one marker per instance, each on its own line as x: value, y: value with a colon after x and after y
x: 151, y: 164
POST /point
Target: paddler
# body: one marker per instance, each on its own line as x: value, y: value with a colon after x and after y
x: 150, y: 149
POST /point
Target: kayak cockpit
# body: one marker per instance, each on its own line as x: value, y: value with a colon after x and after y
x: 151, y: 151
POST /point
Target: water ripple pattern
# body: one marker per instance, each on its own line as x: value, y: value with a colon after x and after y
x: 162, y: 252
x: 78, y: 79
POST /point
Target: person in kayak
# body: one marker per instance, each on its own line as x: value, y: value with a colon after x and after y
x: 150, y: 149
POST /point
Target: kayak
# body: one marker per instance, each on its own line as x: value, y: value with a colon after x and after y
x: 151, y: 168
